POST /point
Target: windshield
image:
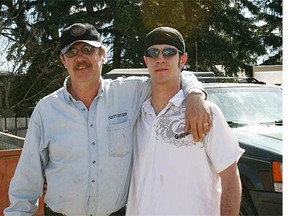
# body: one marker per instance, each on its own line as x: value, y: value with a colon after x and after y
x: 252, y: 105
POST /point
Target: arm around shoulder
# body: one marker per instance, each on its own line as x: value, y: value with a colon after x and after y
x: 190, y: 84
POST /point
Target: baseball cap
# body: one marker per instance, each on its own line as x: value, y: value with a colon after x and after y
x: 165, y: 35
x: 79, y: 32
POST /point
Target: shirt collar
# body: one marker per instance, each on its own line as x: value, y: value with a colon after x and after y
x: 176, y: 100
x: 69, y: 98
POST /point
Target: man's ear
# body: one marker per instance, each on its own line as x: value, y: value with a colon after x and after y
x: 62, y: 59
x: 183, y: 59
x: 145, y: 60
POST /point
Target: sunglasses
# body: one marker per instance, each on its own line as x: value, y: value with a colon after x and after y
x: 87, y: 49
x: 166, y: 52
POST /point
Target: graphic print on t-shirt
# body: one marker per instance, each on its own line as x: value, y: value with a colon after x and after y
x: 170, y: 124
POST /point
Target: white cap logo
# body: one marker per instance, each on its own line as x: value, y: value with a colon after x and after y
x: 77, y: 30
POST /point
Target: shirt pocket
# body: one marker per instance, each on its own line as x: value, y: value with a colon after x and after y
x: 119, y: 139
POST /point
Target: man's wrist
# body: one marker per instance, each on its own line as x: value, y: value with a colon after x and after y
x: 197, y: 91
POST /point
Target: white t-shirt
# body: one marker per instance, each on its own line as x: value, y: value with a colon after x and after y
x: 178, y: 176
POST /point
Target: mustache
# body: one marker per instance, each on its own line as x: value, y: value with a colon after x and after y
x: 82, y: 64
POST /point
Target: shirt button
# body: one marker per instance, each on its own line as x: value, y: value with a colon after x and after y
x: 91, y: 125
x: 94, y: 162
x: 93, y: 181
x: 83, y: 109
x: 93, y: 143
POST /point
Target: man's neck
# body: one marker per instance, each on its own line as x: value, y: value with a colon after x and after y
x: 86, y: 94
x: 161, y: 94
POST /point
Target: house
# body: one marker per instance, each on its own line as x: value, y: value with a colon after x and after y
x: 272, y: 74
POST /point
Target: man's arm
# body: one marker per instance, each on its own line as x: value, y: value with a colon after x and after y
x: 27, y: 183
x: 231, y: 191
x: 197, y: 117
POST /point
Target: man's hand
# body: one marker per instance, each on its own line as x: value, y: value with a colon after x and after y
x: 197, y: 117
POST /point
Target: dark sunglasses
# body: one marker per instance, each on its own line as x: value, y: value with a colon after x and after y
x: 72, y: 52
x: 166, y: 52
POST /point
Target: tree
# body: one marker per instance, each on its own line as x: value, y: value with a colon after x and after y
x: 271, y: 31
x: 224, y: 36
x: 30, y: 54
x: 217, y: 32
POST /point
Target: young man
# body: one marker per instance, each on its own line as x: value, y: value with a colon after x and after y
x: 172, y: 173
x: 80, y: 136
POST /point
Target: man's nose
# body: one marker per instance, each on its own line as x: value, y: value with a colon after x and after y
x: 160, y: 57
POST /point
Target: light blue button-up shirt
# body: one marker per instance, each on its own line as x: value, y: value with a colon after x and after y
x: 84, y: 154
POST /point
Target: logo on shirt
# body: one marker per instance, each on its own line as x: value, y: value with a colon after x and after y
x: 119, y: 115
x: 170, y: 124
